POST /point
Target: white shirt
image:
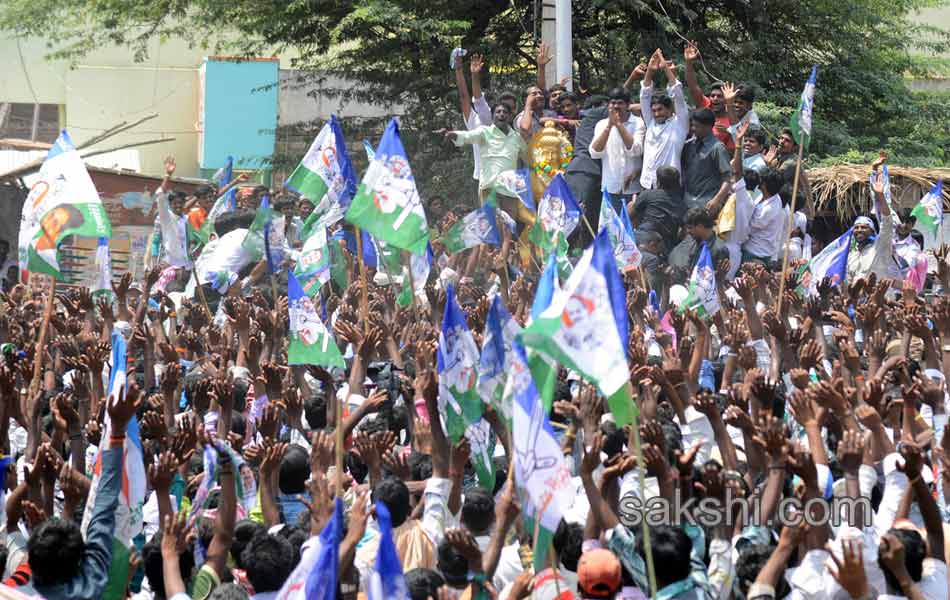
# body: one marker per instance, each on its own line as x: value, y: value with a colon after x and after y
x: 740, y: 230
x: 478, y: 116
x: 618, y: 161
x: 765, y: 227
x: 662, y: 142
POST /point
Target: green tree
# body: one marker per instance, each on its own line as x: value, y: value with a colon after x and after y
x: 395, y: 53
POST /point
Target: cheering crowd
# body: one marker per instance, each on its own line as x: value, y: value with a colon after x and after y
x: 232, y: 426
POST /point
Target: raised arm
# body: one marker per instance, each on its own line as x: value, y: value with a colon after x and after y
x: 544, y: 57
x: 465, y: 98
x: 227, y: 512
x: 691, y: 53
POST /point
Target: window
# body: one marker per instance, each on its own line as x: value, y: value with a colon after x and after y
x: 34, y: 122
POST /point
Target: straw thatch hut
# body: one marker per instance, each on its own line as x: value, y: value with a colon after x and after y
x: 843, y: 192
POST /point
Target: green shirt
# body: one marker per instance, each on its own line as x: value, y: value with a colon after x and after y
x: 499, y: 151
x: 205, y: 582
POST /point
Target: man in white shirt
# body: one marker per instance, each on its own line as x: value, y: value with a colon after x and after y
x: 766, y: 222
x: 475, y: 109
x: 666, y: 130
x: 618, y: 143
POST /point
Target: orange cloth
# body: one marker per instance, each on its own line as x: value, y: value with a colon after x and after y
x: 196, y: 217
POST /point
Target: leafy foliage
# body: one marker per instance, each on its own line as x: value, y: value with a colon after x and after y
x: 395, y: 53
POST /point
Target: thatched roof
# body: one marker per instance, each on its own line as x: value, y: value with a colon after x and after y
x: 844, y: 190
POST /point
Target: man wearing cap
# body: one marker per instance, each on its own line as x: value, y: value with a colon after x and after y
x: 871, y: 251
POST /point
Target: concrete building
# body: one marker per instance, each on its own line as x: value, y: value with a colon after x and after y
x: 213, y: 107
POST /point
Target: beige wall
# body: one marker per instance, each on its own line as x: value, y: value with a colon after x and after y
x: 108, y: 87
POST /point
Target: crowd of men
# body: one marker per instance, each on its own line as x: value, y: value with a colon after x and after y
x: 783, y: 394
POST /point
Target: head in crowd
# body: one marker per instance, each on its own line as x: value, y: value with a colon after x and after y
x: 662, y: 107
x: 717, y: 100
x: 755, y: 141
x: 568, y: 106
x: 699, y: 224
x: 619, y: 103
x: 702, y: 122
x: 745, y: 98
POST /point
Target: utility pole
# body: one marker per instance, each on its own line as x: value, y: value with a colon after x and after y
x: 564, y: 55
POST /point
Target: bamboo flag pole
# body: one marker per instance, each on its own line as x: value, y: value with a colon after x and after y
x: 788, y: 229
x: 364, y: 299
x: 634, y: 440
x: 41, y: 341
x: 412, y: 291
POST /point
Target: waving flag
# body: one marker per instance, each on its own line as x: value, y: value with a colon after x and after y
x: 558, y: 212
x: 310, y: 341
x: 802, y: 119
x: 387, y: 581
x: 322, y: 579
x: 459, y: 401
x: 313, y: 266
x: 543, y: 368
x: 517, y: 182
x: 540, y: 470
x: 477, y: 227
x: 62, y: 202
x: 222, y: 178
x: 703, y: 297
x: 128, y: 513
x: 622, y: 238
x: 585, y: 327
x: 831, y: 262
x: 325, y: 170
x: 387, y: 203
x: 929, y: 211
x: 500, y: 332
x: 888, y: 196
x: 274, y: 239
x: 421, y: 267
x: 254, y: 242
x: 103, y: 284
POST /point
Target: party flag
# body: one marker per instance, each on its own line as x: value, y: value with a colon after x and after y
x: 703, y: 297
x: 802, y: 118
x: 310, y: 341
x: 558, y: 212
x: 929, y: 211
x: 476, y: 228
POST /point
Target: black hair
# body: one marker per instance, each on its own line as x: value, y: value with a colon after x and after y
x: 230, y: 221
x: 395, y: 495
x: 907, y: 216
x: 557, y: 87
x: 506, y: 96
x: 296, y: 536
x: 772, y: 181
x: 704, y: 116
x: 746, y: 92
x: 423, y: 583
x: 618, y: 93
x: 55, y: 551
x: 284, y: 202
x: 671, y: 548
x: 451, y: 564
x: 315, y: 409
x: 267, y: 560
x: 567, y: 96
x: 176, y: 195
x: 751, y: 178
x: 648, y: 236
x: 758, y: 134
x: 152, y: 563
x: 752, y: 558
x: 244, y: 530
x: 568, y: 540
x: 698, y: 215
x: 294, y: 470
x: 668, y: 178
x: 228, y: 591
x: 915, y: 550
x: 614, y: 439
x: 420, y: 465
x: 663, y: 99
x: 788, y: 131
x: 595, y: 100
x: 478, y: 511
x: 204, y: 191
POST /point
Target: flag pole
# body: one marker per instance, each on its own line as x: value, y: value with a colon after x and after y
x: 41, y: 342
x: 647, y: 545
x: 364, y: 298
x: 201, y: 294
x: 589, y: 228
x: 788, y: 228
x: 412, y: 290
